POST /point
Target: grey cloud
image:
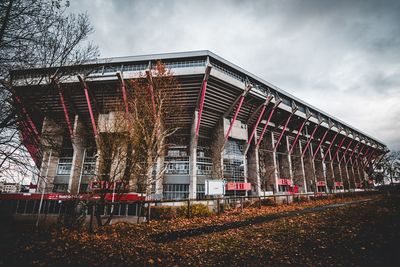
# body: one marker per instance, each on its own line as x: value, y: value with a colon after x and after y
x: 341, y: 56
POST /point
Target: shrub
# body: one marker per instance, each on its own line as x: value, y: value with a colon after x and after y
x: 196, y: 210
x: 163, y: 212
x: 268, y: 202
x: 301, y: 199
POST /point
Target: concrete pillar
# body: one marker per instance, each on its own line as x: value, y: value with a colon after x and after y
x: 324, y: 169
x: 309, y: 172
x: 51, y: 144
x: 344, y: 173
x: 353, y: 173
x: 289, y: 158
x: 275, y: 162
x: 266, y: 165
x: 303, y: 169
x: 254, y: 166
x: 283, y: 160
x: 193, y: 158
x: 329, y: 172
x: 78, y: 144
x: 217, y: 151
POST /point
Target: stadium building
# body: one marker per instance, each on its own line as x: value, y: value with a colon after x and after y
x: 273, y: 142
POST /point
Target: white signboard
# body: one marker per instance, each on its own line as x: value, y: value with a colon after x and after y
x: 215, y: 187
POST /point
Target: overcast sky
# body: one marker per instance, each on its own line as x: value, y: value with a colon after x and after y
x: 340, y: 56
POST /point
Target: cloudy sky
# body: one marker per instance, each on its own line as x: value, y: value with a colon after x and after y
x: 340, y: 56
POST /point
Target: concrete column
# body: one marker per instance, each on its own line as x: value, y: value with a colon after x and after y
x: 254, y: 166
x: 78, y: 144
x: 353, y: 173
x: 303, y: 169
x: 317, y: 168
x: 276, y: 167
x: 51, y: 143
x: 347, y: 175
x: 289, y: 158
x: 324, y: 169
x: 193, y: 158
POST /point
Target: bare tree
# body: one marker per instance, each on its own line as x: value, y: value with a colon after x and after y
x: 34, y: 34
x: 131, y: 144
x: 389, y: 167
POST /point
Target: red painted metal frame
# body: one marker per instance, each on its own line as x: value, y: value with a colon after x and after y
x: 234, y: 117
x: 125, y: 97
x: 90, y: 110
x: 330, y: 145
x: 151, y: 90
x: 359, y: 152
x: 347, y: 148
x: 256, y: 125
x: 320, y: 143
x: 66, y: 115
x: 309, y: 141
x: 370, y: 156
x: 28, y: 117
x: 365, y: 154
x: 266, y: 125
x: 340, y: 145
x: 352, y: 153
x: 297, y: 135
x: 202, y: 98
x: 283, y: 131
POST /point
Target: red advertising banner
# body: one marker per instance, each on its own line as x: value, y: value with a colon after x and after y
x: 284, y: 182
x: 238, y: 186
x: 321, y: 183
x: 338, y: 184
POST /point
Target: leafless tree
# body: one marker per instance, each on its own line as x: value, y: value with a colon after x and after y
x: 389, y: 167
x: 34, y: 34
x: 131, y: 145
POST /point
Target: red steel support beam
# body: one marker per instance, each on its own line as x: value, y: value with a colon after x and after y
x: 235, y: 116
x: 238, y: 107
x: 269, y: 119
x: 340, y: 145
x: 259, y: 119
x: 67, y: 119
x: 320, y: 143
x: 370, y: 156
x: 202, y: 98
x: 124, y: 93
x: 359, y: 152
x: 367, y: 155
x: 311, y: 138
x: 347, y: 148
x: 151, y: 89
x: 86, y: 91
x: 352, y: 153
x: 26, y: 114
x: 284, y: 129
x: 298, y: 134
x: 330, y: 145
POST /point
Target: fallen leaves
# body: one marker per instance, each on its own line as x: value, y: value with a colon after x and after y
x: 328, y: 237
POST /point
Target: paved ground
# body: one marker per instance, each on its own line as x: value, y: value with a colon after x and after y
x: 365, y: 232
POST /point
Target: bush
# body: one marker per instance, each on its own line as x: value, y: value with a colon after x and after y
x: 163, y: 212
x: 301, y: 199
x: 196, y: 210
x: 267, y: 202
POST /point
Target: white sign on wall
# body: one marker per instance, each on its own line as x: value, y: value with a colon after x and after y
x: 214, y: 187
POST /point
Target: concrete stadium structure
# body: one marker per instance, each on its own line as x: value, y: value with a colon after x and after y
x: 274, y: 142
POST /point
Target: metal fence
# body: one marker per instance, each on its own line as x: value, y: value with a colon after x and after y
x: 142, y: 209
